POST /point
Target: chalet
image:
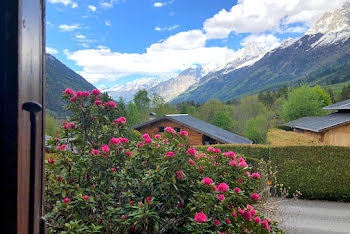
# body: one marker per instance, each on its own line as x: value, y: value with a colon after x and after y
x: 333, y: 129
x: 200, y: 132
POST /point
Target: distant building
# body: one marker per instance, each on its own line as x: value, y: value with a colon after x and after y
x: 333, y: 129
x: 200, y: 132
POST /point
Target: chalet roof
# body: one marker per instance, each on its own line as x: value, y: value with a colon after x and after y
x: 320, y: 124
x: 344, y: 105
x: 203, y: 127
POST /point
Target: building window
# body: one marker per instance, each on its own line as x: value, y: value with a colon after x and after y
x: 160, y: 129
x: 177, y: 129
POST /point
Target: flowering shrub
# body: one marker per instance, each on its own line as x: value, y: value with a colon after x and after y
x: 114, y: 185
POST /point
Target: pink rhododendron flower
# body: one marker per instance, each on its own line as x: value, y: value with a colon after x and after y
x: 169, y: 129
x: 234, y: 214
x: 86, y: 93
x: 79, y: 93
x: 217, y: 222
x: 249, y: 207
x: 200, y: 217
x: 63, y: 147
x: 171, y: 154
x: 139, y: 145
x: 266, y: 224
x: 256, y: 175
x: 248, y: 173
x: 51, y: 161
x: 145, y: 136
x: 121, y: 120
x: 207, y: 181
x: 98, y: 102
x: 157, y: 136
x: 247, y: 215
x: 233, y: 163
x: 69, y: 92
x: 241, y: 160
x: 191, y: 162
x: 179, y: 175
x: 96, y: 92
x: 72, y: 125
x: 255, y: 196
x: 217, y: 151
x: 86, y: 197
x: 221, y: 197
x: 105, y: 148
x: 240, y: 181
x: 257, y: 220
x: 148, y: 199
x: 128, y: 153
x: 144, y: 162
x: 228, y: 221
x: 113, y: 169
x: 148, y: 140
x: 95, y: 152
x: 252, y: 212
x: 111, y: 104
x: 59, y: 179
x: 202, y: 155
x: 243, y: 164
x: 210, y: 149
x: 215, y: 188
x: 64, y: 123
x: 57, y: 139
x: 73, y: 99
x: 237, y: 190
x: 131, y: 203
x: 66, y: 200
x: 65, y: 126
x: 184, y: 133
x: 223, y: 187
x: 192, y: 151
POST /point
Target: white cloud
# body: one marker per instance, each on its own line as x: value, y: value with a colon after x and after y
x: 174, y: 54
x: 109, y: 4
x: 158, y: 4
x: 68, y: 28
x: 91, y: 7
x: 108, y: 23
x: 267, y: 41
x: 50, y: 50
x: 65, y: 2
x: 79, y: 36
x: 161, y: 4
x: 257, y: 16
x: 157, y: 28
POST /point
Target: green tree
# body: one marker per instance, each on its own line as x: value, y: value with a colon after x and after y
x: 122, y: 110
x: 142, y: 100
x: 325, y: 97
x: 50, y: 125
x: 133, y: 114
x: 223, y: 120
x: 207, y: 111
x: 257, y: 128
x: 345, y: 93
x: 301, y: 102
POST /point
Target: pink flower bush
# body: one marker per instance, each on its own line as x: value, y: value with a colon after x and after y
x: 69, y: 92
x: 114, y: 189
x: 200, y: 217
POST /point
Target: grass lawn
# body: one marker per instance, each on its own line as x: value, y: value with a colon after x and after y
x: 279, y: 137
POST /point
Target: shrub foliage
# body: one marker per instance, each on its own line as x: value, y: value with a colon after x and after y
x: 116, y: 185
x: 318, y: 172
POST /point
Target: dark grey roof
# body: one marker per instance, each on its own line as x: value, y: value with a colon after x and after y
x: 203, y: 127
x: 344, y: 105
x: 319, y: 124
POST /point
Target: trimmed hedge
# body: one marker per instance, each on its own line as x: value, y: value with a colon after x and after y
x: 318, y: 172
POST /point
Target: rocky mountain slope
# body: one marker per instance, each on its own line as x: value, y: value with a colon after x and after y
x: 58, y: 78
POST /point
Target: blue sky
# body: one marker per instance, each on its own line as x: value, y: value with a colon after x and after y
x: 111, y: 42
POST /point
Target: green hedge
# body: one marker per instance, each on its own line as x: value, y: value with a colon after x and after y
x: 318, y: 172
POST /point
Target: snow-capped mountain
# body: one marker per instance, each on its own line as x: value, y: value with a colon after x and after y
x: 320, y: 57
x: 129, y: 89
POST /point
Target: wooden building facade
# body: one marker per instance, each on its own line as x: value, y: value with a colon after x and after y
x: 199, y: 132
x: 333, y: 129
